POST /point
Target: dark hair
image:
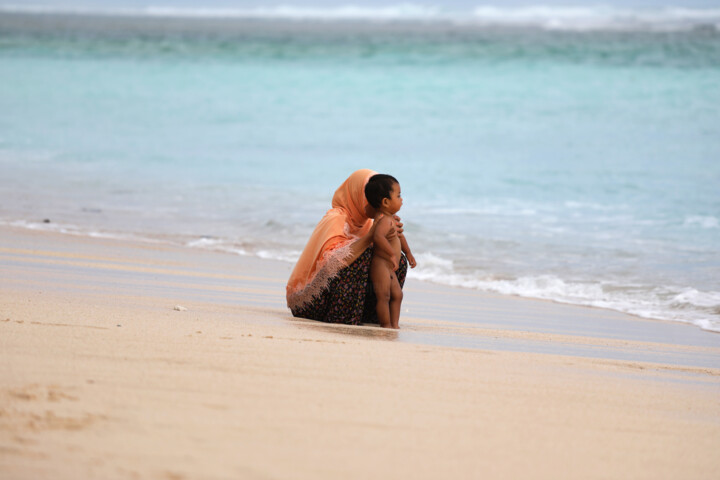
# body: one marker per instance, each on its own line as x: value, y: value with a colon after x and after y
x: 378, y: 187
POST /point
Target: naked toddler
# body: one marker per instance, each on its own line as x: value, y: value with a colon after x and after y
x: 383, y: 193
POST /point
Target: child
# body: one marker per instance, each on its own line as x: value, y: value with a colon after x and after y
x: 383, y: 194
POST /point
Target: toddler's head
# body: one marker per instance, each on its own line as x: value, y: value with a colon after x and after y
x: 383, y: 193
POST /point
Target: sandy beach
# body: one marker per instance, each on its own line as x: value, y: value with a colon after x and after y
x: 103, y: 377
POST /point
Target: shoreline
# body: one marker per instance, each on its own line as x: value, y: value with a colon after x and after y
x: 193, y: 243
x: 105, y: 379
x: 473, y: 319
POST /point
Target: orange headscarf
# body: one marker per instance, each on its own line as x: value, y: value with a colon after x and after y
x: 328, y: 250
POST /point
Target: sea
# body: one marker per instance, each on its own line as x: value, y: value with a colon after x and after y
x: 562, y: 153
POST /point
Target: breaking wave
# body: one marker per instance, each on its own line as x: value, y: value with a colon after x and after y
x: 674, y: 303
x: 599, y: 18
x: 572, y: 18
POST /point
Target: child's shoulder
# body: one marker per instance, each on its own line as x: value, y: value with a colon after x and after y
x: 383, y: 224
x: 382, y: 218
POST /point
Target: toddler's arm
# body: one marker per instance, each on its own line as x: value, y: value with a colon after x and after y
x: 406, y: 250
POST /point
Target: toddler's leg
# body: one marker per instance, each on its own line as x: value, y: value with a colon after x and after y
x: 380, y: 276
x: 396, y: 296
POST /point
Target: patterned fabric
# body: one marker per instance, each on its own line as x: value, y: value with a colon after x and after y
x: 349, y: 297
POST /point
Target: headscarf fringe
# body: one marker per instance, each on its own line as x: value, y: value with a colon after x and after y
x: 332, y: 262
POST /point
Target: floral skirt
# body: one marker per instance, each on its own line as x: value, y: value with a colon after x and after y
x: 349, y: 297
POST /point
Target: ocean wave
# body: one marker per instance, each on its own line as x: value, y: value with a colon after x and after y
x: 702, y: 221
x: 348, y: 12
x: 290, y: 256
x: 68, y: 229
x: 251, y: 249
x: 505, y: 210
x: 215, y: 244
x: 405, y: 11
x: 674, y: 303
x: 573, y: 18
x: 581, y: 18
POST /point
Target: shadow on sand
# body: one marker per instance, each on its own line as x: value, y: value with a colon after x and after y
x: 368, y: 331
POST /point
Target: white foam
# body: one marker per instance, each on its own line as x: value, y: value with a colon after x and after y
x: 702, y: 221
x: 403, y: 11
x: 593, y: 206
x: 432, y: 266
x: 581, y: 18
x: 204, y: 242
x: 348, y: 12
x: 681, y: 304
x: 216, y: 245
x: 694, y: 298
x: 282, y: 255
x: 506, y: 210
x: 576, y: 18
x: 68, y: 229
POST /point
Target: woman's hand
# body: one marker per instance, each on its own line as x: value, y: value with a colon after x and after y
x: 398, y: 225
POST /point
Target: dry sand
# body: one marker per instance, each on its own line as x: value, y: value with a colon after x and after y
x: 103, y: 378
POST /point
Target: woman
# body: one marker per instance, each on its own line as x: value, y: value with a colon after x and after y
x: 330, y: 280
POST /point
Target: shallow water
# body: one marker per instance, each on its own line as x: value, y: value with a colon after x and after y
x: 579, y: 166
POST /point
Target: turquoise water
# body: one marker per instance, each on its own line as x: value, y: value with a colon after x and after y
x: 578, y: 166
